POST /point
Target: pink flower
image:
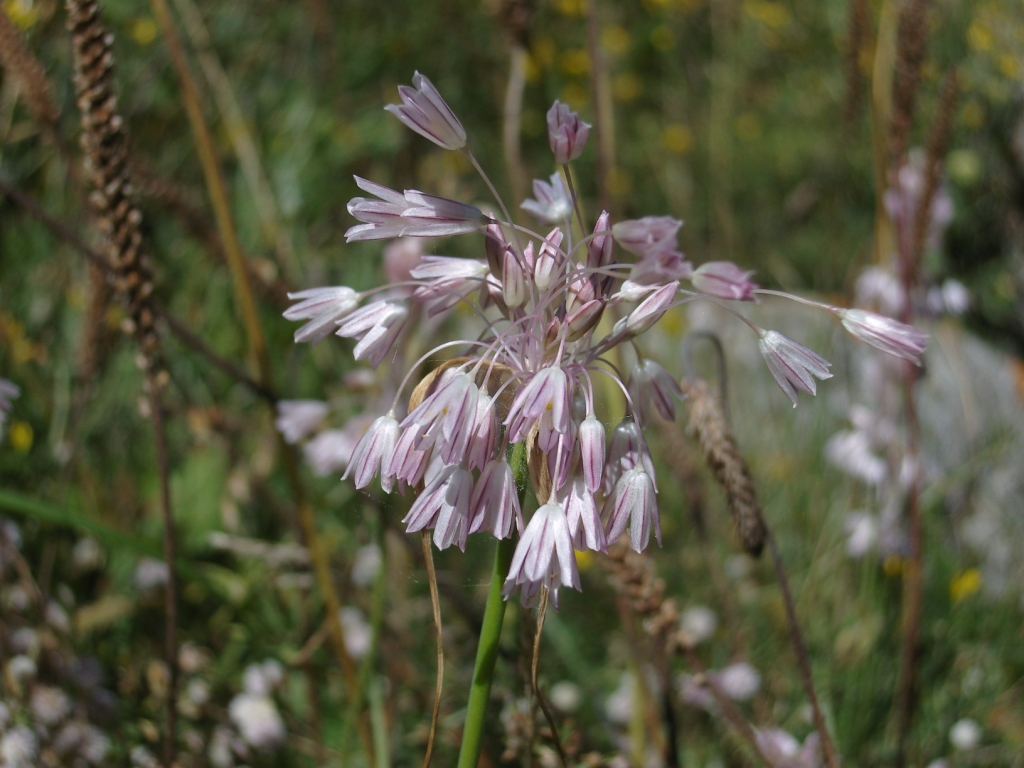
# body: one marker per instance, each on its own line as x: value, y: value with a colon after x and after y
x: 599, y: 249
x: 324, y: 308
x: 582, y: 515
x: 724, y: 280
x: 592, y: 451
x: 649, y: 386
x: 373, y: 453
x: 409, y: 213
x: 448, y: 280
x: 567, y: 134
x: 495, y: 503
x: 377, y: 326
x: 444, y: 506
x: 884, y: 333
x: 647, y: 236
x: 549, y: 260
x: 634, y: 499
x: 424, y: 111
x: 297, y: 418
x: 650, y: 310
x: 553, y: 204
x: 792, y: 365
x: 544, y: 398
x: 544, y: 555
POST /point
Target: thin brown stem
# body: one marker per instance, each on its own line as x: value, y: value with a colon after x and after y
x: 435, y: 603
x: 802, y: 658
x: 542, y: 610
x: 170, y: 558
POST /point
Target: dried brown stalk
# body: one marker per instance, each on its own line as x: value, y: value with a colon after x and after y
x: 708, y: 423
x: 542, y: 609
x: 26, y: 70
x: 105, y: 146
x: 96, y: 333
x: 435, y: 604
x: 911, y: 42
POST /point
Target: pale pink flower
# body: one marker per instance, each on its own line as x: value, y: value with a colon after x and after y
x: 297, y: 418
x: 409, y: 213
x: 401, y: 256
x: 583, y: 517
x: 373, y: 453
x: 592, y: 451
x: 724, y: 280
x: 552, y: 205
x: 652, y: 388
x: 444, y: 505
x: 424, y: 111
x: 495, y: 503
x: 792, y: 365
x: 634, y: 500
x: 544, y: 555
x: 377, y: 326
x: 650, y: 310
x: 549, y: 260
x: 884, y: 333
x: 567, y: 134
x: 647, y: 236
x: 544, y: 398
x: 599, y: 249
x: 408, y: 461
x: 448, y: 280
x: 324, y: 308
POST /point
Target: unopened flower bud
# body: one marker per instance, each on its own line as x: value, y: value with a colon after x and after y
x: 567, y: 134
x: 724, y: 280
x: 424, y: 111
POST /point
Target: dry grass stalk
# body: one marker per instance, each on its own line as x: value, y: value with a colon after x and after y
x: 708, y: 422
x: 911, y: 41
x: 105, y: 146
x: 96, y: 335
x: 29, y: 75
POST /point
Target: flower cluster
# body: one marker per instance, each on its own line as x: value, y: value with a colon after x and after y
x: 528, y: 379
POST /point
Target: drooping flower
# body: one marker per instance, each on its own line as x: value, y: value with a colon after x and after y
x: 424, y: 111
x: 634, y: 501
x: 544, y: 556
x: 373, y: 453
x: 724, y: 280
x: 652, y: 388
x: 409, y: 213
x: 495, y: 503
x: 444, y: 505
x: 884, y: 333
x: 567, y: 134
x: 650, y: 235
x: 324, y: 308
x: 377, y: 326
x: 792, y: 365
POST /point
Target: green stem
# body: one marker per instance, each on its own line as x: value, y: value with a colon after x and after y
x: 486, y: 657
x: 490, y: 633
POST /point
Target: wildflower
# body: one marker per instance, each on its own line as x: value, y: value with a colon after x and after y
x: 739, y: 681
x: 409, y: 213
x: 567, y: 134
x: 583, y: 518
x: 49, y: 705
x: 724, y: 280
x: 545, y: 400
x: 377, y: 326
x: 366, y: 565
x: 544, y: 556
x: 650, y: 235
x: 792, y: 365
x: 599, y: 249
x: 358, y: 632
x: 851, y: 451
x: 373, y: 453
x: 634, y: 500
x: 424, y: 111
x: 699, y: 623
x: 884, y: 333
x: 861, y: 534
x: 444, y: 505
x: 401, y: 257
x: 331, y: 450
x: 297, y: 418
x: 324, y: 308
x: 651, y: 386
x: 965, y: 734
x: 592, y: 451
x: 258, y: 720
x: 784, y: 750
x: 495, y: 503
x: 553, y: 204
x: 566, y: 697
x: 649, y: 312
x: 448, y: 280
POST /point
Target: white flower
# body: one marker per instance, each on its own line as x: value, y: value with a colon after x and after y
x: 739, y: 681
x: 965, y: 734
x: 258, y: 720
x: 366, y: 565
x: 699, y: 622
x: 358, y: 632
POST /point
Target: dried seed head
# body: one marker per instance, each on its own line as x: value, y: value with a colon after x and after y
x: 722, y: 455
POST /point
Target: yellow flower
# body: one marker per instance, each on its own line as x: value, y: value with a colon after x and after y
x: 23, y: 13
x: 21, y: 436
x: 144, y: 30
x: 964, y: 584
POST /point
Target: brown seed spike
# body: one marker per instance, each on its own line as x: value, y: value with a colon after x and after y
x: 707, y: 421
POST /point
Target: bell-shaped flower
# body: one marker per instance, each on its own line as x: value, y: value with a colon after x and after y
x: 495, y: 503
x: 592, y: 451
x: 409, y: 460
x: 652, y: 388
x: 324, y: 308
x: 377, y: 326
x: 649, y: 311
x: 544, y: 555
x: 409, y: 214
x: 567, y: 134
x: 582, y: 515
x: 647, y: 236
x: 884, y: 333
x: 448, y: 417
x: 634, y: 500
x: 448, y: 280
x: 424, y: 111
x: 546, y: 393
x: 444, y: 506
x: 483, y: 437
x: 627, y: 449
x: 724, y: 280
x: 372, y: 454
x: 297, y: 418
x: 792, y: 365
x: 552, y: 205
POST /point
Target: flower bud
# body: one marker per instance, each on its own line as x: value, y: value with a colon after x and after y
x: 724, y: 280
x: 567, y: 134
